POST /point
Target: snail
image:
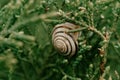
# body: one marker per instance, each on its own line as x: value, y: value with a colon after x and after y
x: 64, y: 42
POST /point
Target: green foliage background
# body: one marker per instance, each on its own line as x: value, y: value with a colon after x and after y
x: 26, y: 51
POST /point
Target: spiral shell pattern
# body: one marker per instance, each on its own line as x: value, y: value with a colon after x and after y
x: 65, y: 43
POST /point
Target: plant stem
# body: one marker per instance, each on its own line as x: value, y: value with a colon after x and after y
x: 97, y: 32
x: 76, y: 30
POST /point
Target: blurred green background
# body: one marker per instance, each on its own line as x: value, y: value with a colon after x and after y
x: 26, y: 51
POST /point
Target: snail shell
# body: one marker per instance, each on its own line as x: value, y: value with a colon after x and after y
x: 65, y: 43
